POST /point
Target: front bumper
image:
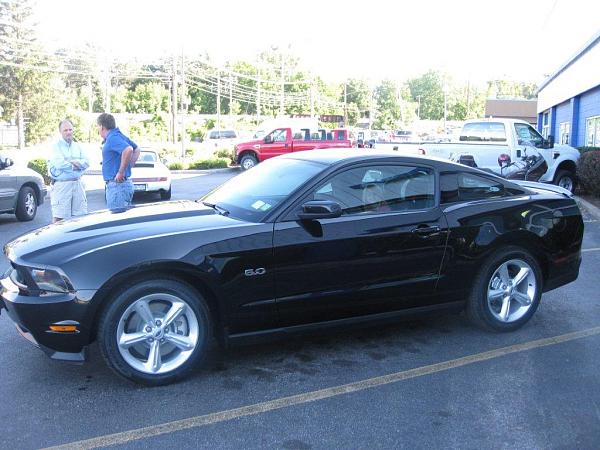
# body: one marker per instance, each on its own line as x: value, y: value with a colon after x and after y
x: 33, y: 316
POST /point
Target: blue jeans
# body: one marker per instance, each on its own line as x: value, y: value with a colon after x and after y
x: 119, y: 195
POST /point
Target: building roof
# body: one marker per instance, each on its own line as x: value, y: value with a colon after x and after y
x: 591, y: 43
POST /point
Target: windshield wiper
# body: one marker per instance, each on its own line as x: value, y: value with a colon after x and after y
x: 217, y: 208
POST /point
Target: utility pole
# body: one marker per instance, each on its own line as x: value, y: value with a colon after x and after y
x: 345, y: 104
x: 445, y: 103
x: 312, y: 98
x: 230, y: 99
x: 281, y: 101
x: 258, y: 85
x: 218, y: 100
x: 90, y: 105
x: 174, y: 100
x: 419, y: 107
x: 107, y: 89
x: 183, y: 104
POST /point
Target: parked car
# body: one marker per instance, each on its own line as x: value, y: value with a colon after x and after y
x: 149, y: 174
x: 485, y: 140
x: 293, y: 245
x: 22, y: 190
x: 216, y: 139
x: 287, y: 140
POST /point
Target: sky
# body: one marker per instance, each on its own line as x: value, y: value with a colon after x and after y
x: 520, y: 40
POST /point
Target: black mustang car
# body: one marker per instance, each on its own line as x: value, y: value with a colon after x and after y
x: 306, y: 240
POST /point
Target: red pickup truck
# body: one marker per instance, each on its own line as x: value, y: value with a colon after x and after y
x: 284, y: 140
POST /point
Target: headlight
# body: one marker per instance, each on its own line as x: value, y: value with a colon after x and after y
x: 50, y: 280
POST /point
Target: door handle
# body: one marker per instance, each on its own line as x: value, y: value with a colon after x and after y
x: 424, y: 231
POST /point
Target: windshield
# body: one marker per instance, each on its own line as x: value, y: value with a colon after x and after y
x: 253, y: 194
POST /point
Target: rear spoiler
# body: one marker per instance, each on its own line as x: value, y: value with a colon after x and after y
x: 544, y: 187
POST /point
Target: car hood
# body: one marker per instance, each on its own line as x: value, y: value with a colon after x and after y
x: 67, y: 240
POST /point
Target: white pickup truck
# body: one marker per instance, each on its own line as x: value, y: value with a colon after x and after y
x: 482, y: 142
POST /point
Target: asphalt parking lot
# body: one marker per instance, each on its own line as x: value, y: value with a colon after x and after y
x: 436, y: 382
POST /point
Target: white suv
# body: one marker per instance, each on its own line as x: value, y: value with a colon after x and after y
x: 221, y: 138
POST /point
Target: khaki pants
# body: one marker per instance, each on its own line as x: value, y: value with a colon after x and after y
x: 68, y: 199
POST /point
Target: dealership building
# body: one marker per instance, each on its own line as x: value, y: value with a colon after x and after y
x: 568, y: 106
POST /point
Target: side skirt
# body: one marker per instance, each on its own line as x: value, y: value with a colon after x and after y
x: 361, y: 321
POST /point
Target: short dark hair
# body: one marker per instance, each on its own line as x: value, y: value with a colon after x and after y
x: 107, y: 121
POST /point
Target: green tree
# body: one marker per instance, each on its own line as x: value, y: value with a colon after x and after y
x: 388, y: 105
x: 428, y: 90
x: 26, y: 85
x: 150, y: 98
x: 358, y: 97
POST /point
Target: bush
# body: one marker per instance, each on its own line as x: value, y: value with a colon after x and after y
x: 226, y: 153
x: 583, y: 150
x: 41, y: 167
x: 175, y: 166
x: 588, y: 172
x: 209, y: 164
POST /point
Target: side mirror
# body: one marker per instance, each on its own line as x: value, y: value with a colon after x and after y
x: 268, y: 139
x: 318, y: 209
x: 504, y: 160
x: 549, y: 142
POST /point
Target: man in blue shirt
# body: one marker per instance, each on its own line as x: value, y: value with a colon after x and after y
x: 65, y: 167
x: 119, y: 153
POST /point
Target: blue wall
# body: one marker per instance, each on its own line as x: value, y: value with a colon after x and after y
x: 589, y: 106
x: 575, y: 111
x: 563, y: 114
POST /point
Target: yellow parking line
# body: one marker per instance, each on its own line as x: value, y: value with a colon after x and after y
x: 258, y: 408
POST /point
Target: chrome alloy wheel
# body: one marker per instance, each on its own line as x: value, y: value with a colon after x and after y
x: 157, y: 333
x: 511, y: 290
x: 30, y: 204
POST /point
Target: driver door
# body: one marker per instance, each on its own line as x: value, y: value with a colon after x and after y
x: 383, y: 254
x: 276, y: 143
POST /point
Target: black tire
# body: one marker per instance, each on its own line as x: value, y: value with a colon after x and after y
x: 26, y: 204
x: 166, y: 195
x: 485, y: 309
x: 121, y: 317
x: 566, y: 179
x: 248, y: 161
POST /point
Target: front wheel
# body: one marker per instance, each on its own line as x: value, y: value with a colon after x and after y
x: 26, y: 204
x: 155, y: 331
x: 507, y: 290
x: 565, y: 179
x: 248, y: 161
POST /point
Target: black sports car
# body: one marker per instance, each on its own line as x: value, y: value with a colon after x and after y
x: 306, y: 240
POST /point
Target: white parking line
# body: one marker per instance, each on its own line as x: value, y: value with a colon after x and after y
x: 595, y: 249
x: 258, y: 408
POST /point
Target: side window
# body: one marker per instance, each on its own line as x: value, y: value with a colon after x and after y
x: 527, y: 135
x: 380, y: 189
x: 448, y: 187
x: 474, y: 187
x: 483, y: 132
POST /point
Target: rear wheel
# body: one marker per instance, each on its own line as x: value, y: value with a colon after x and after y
x: 248, y: 161
x: 565, y: 179
x: 165, y: 195
x: 154, y: 332
x: 26, y: 204
x: 507, y: 290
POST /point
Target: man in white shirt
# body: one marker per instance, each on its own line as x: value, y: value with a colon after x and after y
x: 66, y: 166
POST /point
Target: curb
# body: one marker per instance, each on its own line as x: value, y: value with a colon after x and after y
x: 592, y: 209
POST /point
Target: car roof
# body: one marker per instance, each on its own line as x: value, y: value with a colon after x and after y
x: 331, y: 156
